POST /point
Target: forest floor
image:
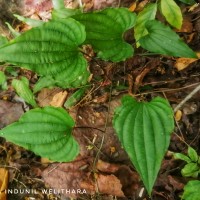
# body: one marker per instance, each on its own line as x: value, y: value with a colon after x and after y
x: 102, y: 160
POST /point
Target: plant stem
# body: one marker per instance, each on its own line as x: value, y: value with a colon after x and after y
x: 189, y: 96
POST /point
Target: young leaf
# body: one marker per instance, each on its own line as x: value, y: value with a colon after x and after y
x: 148, y: 13
x: 3, y: 83
x: 182, y: 157
x: 46, y: 132
x: 144, y: 130
x: 65, y: 13
x: 29, y: 21
x: 190, y: 2
x: 191, y: 190
x: 51, y: 50
x: 192, y: 154
x: 12, y: 30
x: 22, y: 89
x: 172, y: 13
x: 44, y: 82
x: 161, y: 39
x: 74, y: 98
x: 190, y: 170
x: 105, y: 31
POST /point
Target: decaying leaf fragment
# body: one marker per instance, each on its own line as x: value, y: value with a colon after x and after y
x: 3, y: 183
x: 182, y: 63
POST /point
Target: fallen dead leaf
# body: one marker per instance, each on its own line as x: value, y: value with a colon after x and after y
x: 107, y: 167
x: 141, y: 5
x: 176, y: 182
x: 133, y: 6
x: 46, y: 95
x: 187, y: 26
x: 59, y: 99
x: 182, y: 63
x: 178, y: 115
x: 109, y: 184
x: 3, y: 183
x: 9, y: 112
x: 113, y: 179
x: 71, y: 176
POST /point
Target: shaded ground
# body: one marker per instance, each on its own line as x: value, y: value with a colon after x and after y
x: 102, y: 167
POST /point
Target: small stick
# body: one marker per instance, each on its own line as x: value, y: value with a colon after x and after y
x: 189, y: 96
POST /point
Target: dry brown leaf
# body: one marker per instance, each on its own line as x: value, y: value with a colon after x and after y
x: 46, y: 95
x: 141, y: 5
x: 9, y: 112
x: 187, y: 26
x: 59, y: 99
x: 110, y: 178
x: 182, y: 63
x: 178, y: 115
x: 107, y: 167
x: 3, y: 183
x: 109, y: 184
x: 133, y: 6
x: 70, y: 176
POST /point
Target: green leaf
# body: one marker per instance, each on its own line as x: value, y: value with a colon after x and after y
x: 191, y: 190
x: 161, y: 39
x: 3, y: 40
x: 29, y: 21
x: 192, y: 154
x: 23, y: 90
x: 105, y: 31
x: 46, y: 132
x: 172, y: 13
x: 148, y: 13
x: 12, y: 71
x: 44, y: 82
x: 51, y: 50
x: 190, y: 2
x: 58, y: 4
x: 3, y: 83
x: 65, y: 13
x: 190, y: 170
x: 182, y: 157
x: 12, y: 30
x: 74, y: 98
x: 144, y: 130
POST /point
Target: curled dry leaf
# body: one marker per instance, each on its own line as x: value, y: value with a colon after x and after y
x: 182, y: 63
x: 3, y: 183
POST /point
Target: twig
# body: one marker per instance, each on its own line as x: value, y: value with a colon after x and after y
x: 189, y: 96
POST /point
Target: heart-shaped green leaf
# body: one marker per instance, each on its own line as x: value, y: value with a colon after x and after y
x: 161, y: 39
x: 105, y: 32
x: 144, y: 130
x: 172, y: 12
x: 51, y: 50
x: 46, y: 132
